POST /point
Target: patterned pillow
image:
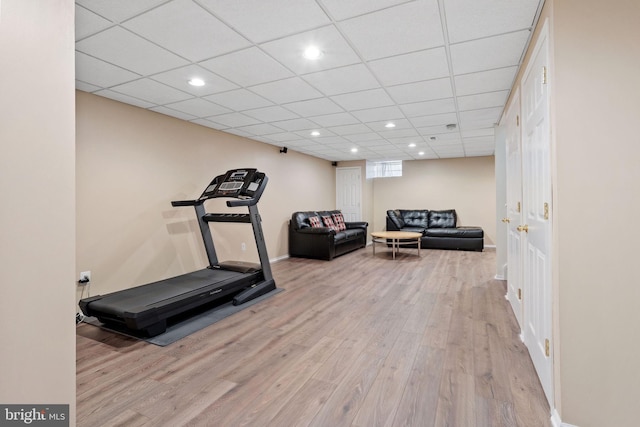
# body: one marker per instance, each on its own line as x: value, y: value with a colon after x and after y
x: 328, y: 222
x: 338, y: 219
x: 315, y: 222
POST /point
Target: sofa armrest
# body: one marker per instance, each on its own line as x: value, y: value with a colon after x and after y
x: 357, y: 224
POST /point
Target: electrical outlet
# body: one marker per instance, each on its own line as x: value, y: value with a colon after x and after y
x: 243, y: 246
x: 85, y: 277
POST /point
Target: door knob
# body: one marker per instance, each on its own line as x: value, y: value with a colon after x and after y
x: 506, y: 220
x: 524, y: 228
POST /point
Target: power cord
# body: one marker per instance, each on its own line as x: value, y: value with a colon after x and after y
x: 85, y: 282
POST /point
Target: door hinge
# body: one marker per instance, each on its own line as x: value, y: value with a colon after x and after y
x: 518, y: 207
x: 546, y: 347
x: 544, y: 75
x: 517, y: 120
x: 546, y: 210
x: 520, y: 294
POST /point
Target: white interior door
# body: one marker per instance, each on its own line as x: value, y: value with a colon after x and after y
x: 536, y: 230
x: 513, y: 219
x: 349, y: 192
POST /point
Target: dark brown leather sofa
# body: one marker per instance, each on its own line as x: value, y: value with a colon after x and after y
x: 323, y: 242
x: 438, y: 228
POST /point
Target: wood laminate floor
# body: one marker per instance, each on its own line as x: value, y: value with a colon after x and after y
x: 358, y: 341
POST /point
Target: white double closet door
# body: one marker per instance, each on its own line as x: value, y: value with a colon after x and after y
x: 529, y: 211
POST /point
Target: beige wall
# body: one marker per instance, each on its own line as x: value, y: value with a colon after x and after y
x: 595, y: 60
x: 37, y: 247
x: 466, y: 185
x: 131, y: 163
x: 596, y: 104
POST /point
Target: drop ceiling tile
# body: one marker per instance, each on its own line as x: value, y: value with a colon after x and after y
x: 350, y: 129
x: 209, y: 124
x: 473, y: 19
x: 490, y: 53
x: 261, y: 20
x: 284, y: 137
x: 340, y: 9
x: 484, y: 118
x: 270, y: 114
x: 314, y: 107
x: 374, y: 143
x: 119, y: 10
x: 453, y: 140
x: 107, y: 93
x: 287, y: 90
x: 426, y: 108
x: 187, y: 30
x: 412, y: 67
x: 435, y: 120
x: 480, y: 142
x: 99, y: 73
x: 400, y: 29
x: 180, y: 77
x: 485, y: 81
x: 140, y: 55
x: 234, y: 120
x: 86, y: 87
x: 352, y: 78
x: 198, y: 107
x: 240, y: 99
x: 295, y: 125
x: 151, y: 91
x: 398, y: 134
x: 324, y: 133
x: 363, y: 99
x: 439, y: 131
x: 381, y: 126
x: 289, y: 50
x: 173, y: 113
x: 260, y: 129
x: 362, y: 137
x: 247, y: 67
x: 483, y: 100
x: 240, y: 132
x: 88, y: 23
x: 421, y: 91
x: 378, y: 114
x: 478, y: 132
x: 338, y: 119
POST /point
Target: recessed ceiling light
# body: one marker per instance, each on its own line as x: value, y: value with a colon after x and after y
x: 196, y: 82
x: 412, y: 145
x: 390, y: 125
x: 312, y: 52
x: 315, y: 133
x: 421, y: 153
x: 354, y: 150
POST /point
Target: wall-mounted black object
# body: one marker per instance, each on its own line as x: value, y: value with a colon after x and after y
x: 334, y: 163
x: 284, y: 150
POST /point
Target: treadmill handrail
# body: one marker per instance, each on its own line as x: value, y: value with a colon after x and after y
x: 177, y: 203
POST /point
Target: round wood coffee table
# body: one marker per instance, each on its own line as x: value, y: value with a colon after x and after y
x: 396, y: 237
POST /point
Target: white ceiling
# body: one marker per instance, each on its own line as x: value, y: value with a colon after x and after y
x: 421, y: 64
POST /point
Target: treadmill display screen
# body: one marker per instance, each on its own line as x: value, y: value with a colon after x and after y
x: 237, y: 183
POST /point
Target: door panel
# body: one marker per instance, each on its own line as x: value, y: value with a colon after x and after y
x: 349, y: 193
x: 536, y: 238
x: 515, y: 286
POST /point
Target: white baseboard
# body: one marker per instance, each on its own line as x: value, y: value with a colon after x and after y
x: 557, y: 422
x: 490, y: 246
x: 280, y: 258
x: 499, y: 277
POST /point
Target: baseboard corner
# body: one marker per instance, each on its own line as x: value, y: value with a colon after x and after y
x: 556, y: 421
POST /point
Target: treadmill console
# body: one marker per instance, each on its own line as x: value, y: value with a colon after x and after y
x: 236, y: 183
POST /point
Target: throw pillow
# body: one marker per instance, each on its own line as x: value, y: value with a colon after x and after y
x: 338, y: 219
x: 328, y: 222
x: 315, y: 222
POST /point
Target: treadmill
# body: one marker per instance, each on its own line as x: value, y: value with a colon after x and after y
x: 144, y: 310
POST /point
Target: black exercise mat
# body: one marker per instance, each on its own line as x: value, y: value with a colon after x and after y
x: 183, y: 328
